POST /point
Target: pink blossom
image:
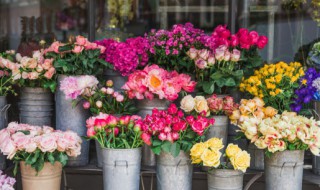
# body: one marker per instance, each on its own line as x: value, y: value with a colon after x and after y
x: 120, y: 98
x: 77, y: 49
x: 162, y: 136
x: 50, y: 73
x: 146, y: 138
x: 91, y: 132
x: 86, y: 105
x: 235, y: 56
x: 201, y: 64
x: 81, y: 41
x: 48, y: 143
x: 47, y: 64
x: 262, y: 42
x: 110, y: 91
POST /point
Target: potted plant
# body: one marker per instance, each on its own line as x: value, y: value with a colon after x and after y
x: 215, y: 107
x: 226, y: 175
x: 36, y: 76
x: 171, y: 134
x: 284, y: 137
x: 6, y: 182
x: 41, y: 153
x: 76, y: 58
x: 120, y: 139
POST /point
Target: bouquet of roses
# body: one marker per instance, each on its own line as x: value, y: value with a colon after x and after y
x: 213, y: 104
x: 107, y: 100
x: 74, y: 87
x: 36, y: 145
x: 274, y: 132
x: 226, y: 58
x: 275, y: 84
x: 115, y: 132
x: 7, y: 66
x: 153, y: 80
x: 309, y: 90
x: 6, y: 182
x: 35, y: 71
x: 168, y: 48
x: 171, y: 131
x: 208, y: 154
x: 77, y: 58
x: 125, y: 57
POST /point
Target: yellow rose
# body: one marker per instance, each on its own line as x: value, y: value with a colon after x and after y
x: 196, y: 160
x: 197, y: 150
x: 201, y: 104
x: 214, y: 143
x: 211, y: 158
x: 270, y: 111
x: 187, y: 103
x: 241, y: 161
x: 235, y: 116
x: 232, y: 150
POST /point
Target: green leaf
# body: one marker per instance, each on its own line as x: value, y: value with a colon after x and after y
x: 216, y: 75
x: 230, y: 82
x: 50, y: 158
x: 156, y: 143
x: 65, y: 48
x: 208, y: 87
x: 175, y: 149
x: 63, y: 158
x: 156, y: 149
x: 166, y: 146
x: 33, y: 158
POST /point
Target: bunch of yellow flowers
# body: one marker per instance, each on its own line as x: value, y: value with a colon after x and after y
x: 208, y: 154
x: 275, y: 84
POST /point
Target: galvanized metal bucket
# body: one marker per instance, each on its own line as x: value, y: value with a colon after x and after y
x: 145, y: 107
x: 284, y: 170
x: 3, y: 124
x: 316, y: 165
x: 116, y: 77
x: 72, y: 118
x: 121, y: 169
x: 219, y: 130
x: 228, y: 179
x: 174, y: 173
x: 49, y: 178
x: 99, y: 154
x: 257, y: 157
x: 232, y: 135
x: 36, y: 106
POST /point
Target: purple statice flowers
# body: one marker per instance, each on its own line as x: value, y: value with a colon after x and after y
x: 126, y: 56
x: 6, y: 182
x: 309, y: 89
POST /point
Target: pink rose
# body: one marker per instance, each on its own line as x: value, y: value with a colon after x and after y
x: 81, y: 41
x: 169, y: 137
x: 175, y: 136
x: 77, y: 49
x: 201, y: 64
x: 89, y: 46
x: 47, y: 129
x: 86, y: 105
x: 73, y: 139
x: 192, y: 53
x: 91, y: 132
x: 33, y: 75
x: 55, y: 46
x: 119, y: 98
x: 74, y: 151
x: 254, y: 37
x: 62, y: 144
x: 110, y: 91
x: 235, y: 56
x: 262, y: 42
x: 227, y: 56
x: 198, y: 127
x: 8, y: 149
x: 180, y: 126
x: 48, y: 143
x: 146, y: 138
x: 215, y: 104
x: 31, y: 146
x: 162, y: 136
x: 234, y: 41
x: 47, y: 64
x: 50, y: 73
x: 172, y: 109
x: 102, y: 49
x: 204, y: 54
x: 219, y: 53
x: 211, y: 60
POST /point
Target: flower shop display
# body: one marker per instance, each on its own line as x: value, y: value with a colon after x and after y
x: 6, y: 182
x: 171, y: 134
x: 217, y: 107
x: 226, y: 175
x: 41, y: 153
x: 275, y: 84
x: 71, y: 114
x: 284, y: 138
x: 313, y: 56
x: 120, y: 139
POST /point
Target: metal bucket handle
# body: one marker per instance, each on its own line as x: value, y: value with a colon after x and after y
x: 294, y: 164
x: 4, y: 109
x: 121, y: 161
x: 252, y: 180
x: 178, y: 164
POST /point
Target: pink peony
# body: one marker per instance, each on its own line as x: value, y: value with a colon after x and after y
x: 91, y: 132
x: 70, y: 87
x: 120, y: 98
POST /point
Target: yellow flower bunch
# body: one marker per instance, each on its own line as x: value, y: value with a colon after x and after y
x: 208, y: 154
x: 275, y: 83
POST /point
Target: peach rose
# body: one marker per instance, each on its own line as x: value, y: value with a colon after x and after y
x: 50, y: 73
x: 33, y: 75
x: 270, y: 111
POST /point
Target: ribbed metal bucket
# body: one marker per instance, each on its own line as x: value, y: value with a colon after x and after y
x: 257, y: 157
x: 284, y: 170
x: 99, y: 154
x: 316, y: 165
x: 116, y: 77
x: 174, y: 173
x: 121, y: 169
x: 219, y: 130
x: 225, y: 179
x: 69, y: 118
x: 3, y: 124
x: 49, y: 178
x: 36, y: 106
x: 145, y: 107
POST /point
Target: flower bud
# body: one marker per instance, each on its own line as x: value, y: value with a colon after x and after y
x: 86, y: 105
x: 109, y: 83
x: 99, y: 104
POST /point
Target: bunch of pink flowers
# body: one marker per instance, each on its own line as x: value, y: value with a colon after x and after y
x: 19, y: 138
x: 172, y: 125
x: 126, y: 56
x: 243, y: 39
x: 205, y: 58
x: 81, y: 43
x: 84, y: 85
x: 153, y: 80
x: 6, y: 182
x: 222, y: 105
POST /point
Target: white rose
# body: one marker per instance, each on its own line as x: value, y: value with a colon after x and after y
x: 187, y: 103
